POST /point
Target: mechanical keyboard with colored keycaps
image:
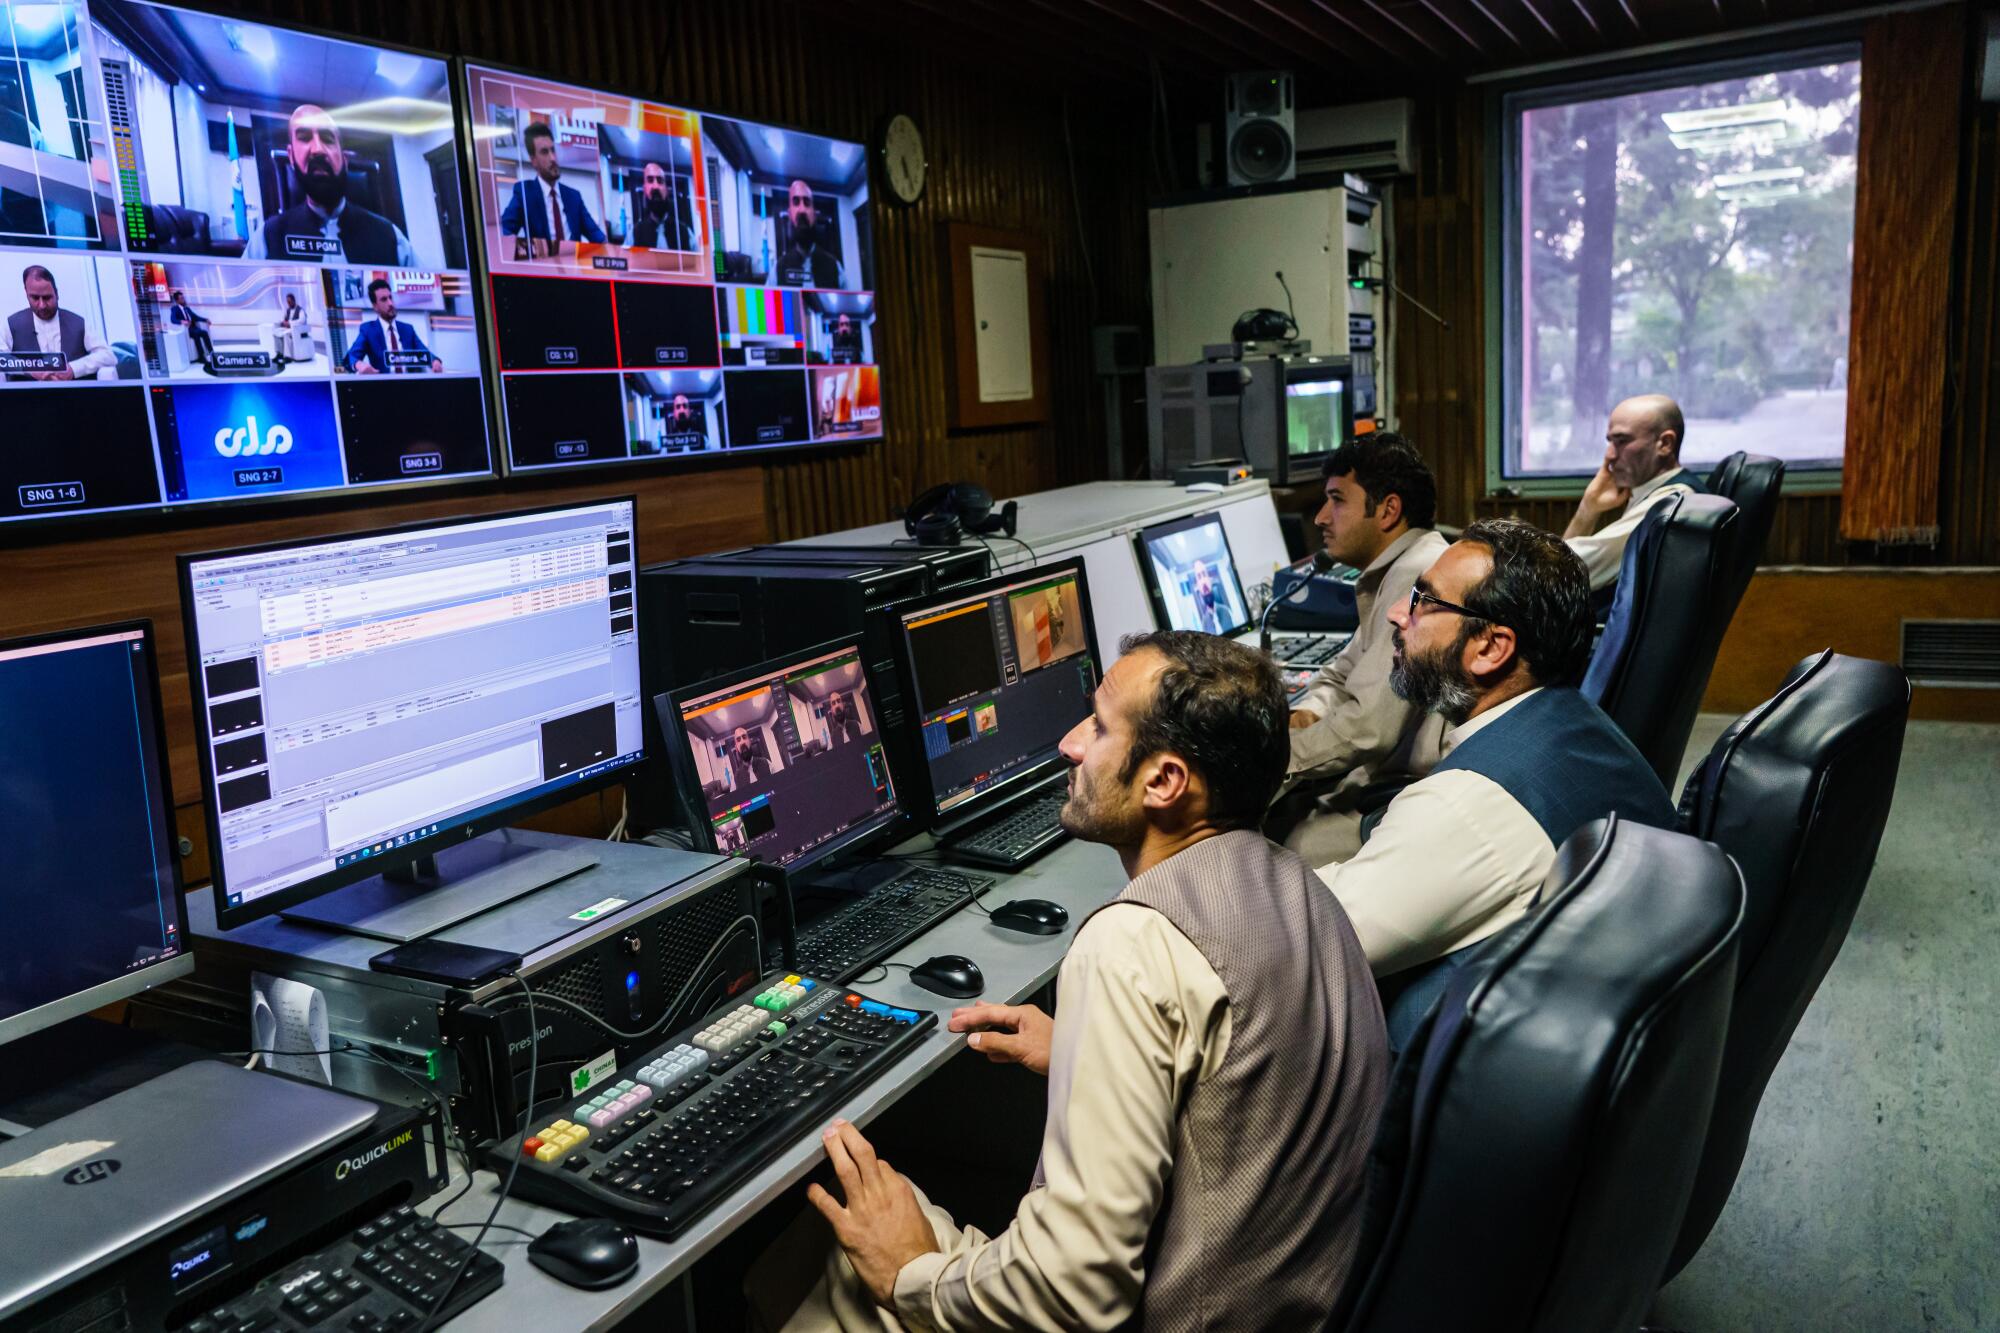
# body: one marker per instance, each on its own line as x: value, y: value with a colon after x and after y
x: 856, y: 935
x: 384, y: 1276
x: 670, y: 1133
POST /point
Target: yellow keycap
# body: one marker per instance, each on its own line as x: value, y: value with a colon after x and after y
x: 549, y: 1152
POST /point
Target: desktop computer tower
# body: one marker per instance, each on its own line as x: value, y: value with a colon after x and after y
x: 704, y: 617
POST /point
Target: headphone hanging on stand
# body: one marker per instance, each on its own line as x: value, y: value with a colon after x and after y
x: 943, y: 515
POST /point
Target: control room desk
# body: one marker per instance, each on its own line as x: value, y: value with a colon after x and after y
x: 1080, y: 876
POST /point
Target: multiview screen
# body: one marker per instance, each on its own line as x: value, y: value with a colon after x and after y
x: 667, y: 282
x: 232, y: 263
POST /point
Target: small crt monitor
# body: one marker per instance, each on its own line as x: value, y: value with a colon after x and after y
x: 1191, y: 575
x: 363, y: 702
x: 1000, y: 671
x: 784, y: 762
x: 1319, y: 407
x: 93, y: 890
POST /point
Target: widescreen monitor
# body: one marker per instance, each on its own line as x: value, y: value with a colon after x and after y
x: 784, y: 762
x: 362, y: 701
x: 1192, y: 575
x: 237, y: 251
x: 999, y: 672
x: 669, y: 283
x: 93, y: 890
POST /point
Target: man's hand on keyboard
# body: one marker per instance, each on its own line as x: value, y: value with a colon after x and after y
x: 1007, y: 1034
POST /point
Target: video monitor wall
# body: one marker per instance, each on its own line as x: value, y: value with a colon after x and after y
x: 667, y: 282
x: 233, y: 263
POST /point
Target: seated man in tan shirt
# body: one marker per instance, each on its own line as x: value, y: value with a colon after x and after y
x: 1218, y: 1032
x: 1351, y: 729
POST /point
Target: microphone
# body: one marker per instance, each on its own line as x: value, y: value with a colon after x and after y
x: 1288, y: 302
x: 1321, y: 564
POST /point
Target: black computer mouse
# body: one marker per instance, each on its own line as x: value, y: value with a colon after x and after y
x: 589, y: 1252
x: 1032, y: 916
x: 950, y: 974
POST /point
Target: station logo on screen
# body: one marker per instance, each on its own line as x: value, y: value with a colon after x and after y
x: 192, y: 205
x: 668, y: 282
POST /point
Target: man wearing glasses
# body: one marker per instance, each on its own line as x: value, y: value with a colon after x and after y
x: 1493, y: 638
x: 1350, y: 729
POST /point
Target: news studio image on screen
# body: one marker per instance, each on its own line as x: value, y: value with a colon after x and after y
x: 667, y: 282
x: 203, y: 214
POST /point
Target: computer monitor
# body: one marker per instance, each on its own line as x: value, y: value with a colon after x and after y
x: 1191, y: 575
x: 701, y: 285
x: 998, y: 673
x: 1319, y: 410
x: 93, y: 900
x: 238, y: 250
x: 785, y: 762
x: 363, y: 702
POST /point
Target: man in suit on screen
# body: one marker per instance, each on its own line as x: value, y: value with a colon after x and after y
x: 543, y: 211
x: 385, y: 334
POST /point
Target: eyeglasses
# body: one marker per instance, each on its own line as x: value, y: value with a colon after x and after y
x: 1418, y: 596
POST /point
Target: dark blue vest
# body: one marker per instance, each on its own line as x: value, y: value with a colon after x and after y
x: 1694, y: 481
x: 1566, y: 763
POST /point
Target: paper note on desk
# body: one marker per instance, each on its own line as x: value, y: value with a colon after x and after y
x: 290, y: 1016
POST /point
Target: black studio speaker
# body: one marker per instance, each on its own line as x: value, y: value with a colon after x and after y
x: 1257, y: 132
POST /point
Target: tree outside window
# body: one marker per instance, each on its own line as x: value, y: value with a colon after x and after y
x: 1694, y: 240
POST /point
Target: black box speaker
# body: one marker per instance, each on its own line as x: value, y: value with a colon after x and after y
x: 1258, y: 136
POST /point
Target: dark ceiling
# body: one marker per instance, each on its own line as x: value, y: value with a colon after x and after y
x: 1342, y: 50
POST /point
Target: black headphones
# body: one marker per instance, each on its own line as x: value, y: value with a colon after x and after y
x: 943, y: 515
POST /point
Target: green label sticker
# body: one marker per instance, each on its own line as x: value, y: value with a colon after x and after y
x: 598, y: 909
x: 603, y: 1067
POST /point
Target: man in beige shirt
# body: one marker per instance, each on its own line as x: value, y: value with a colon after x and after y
x: 1641, y: 467
x: 1218, y: 1033
x: 1350, y: 728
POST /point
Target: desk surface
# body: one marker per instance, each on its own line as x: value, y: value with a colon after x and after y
x: 1080, y: 876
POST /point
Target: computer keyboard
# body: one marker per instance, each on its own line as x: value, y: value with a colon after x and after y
x: 857, y: 935
x: 1020, y: 834
x: 1307, y: 650
x: 676, y: 1129
x: 383, y: 1276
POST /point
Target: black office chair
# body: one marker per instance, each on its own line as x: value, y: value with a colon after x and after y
x: 1541, y: 1133
x: 1754, y: 482
x: 1673, y: 604
x: 1797, y: 791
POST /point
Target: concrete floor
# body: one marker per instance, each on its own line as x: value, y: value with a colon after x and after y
x: 1870, y: 1198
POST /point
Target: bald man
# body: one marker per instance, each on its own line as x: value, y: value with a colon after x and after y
x: 1641, y: 468
x: 805, y: 262
x: 325, y: 226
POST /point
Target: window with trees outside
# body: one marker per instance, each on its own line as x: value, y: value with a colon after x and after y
x: 1691, y: 234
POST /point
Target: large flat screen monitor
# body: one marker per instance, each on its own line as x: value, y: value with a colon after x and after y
x: 1191, y: 575
x: 237, y: 252
x: 93, y: 891
x: 784, y: 762
x: 999, y: 671
x: 365, y: 701
x: 668, y: 283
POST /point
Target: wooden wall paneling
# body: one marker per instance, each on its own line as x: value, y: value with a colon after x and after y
x: 1903, y: 216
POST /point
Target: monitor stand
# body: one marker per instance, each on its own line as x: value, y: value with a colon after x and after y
x: 423, y: 896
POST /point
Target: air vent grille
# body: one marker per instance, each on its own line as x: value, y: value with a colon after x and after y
x: 1963, y: 653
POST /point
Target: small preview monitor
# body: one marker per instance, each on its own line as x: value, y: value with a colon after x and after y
x: 1192, y: 575
x: 1319, y: 407
x: 93, y: 896
x: 783, y: 763
x: 666, y: 282
x: 239, y: 250
x: 364, y: 701
x: 999, y: 671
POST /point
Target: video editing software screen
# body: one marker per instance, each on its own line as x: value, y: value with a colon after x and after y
x: 1317, y: 414
x: 1193, y: 575
x: 92, y: 897
x: 237, y: 251
x: 789, y: 760
x: 668, y: 282
x: 358, y: 694
x: 1001, y: 676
